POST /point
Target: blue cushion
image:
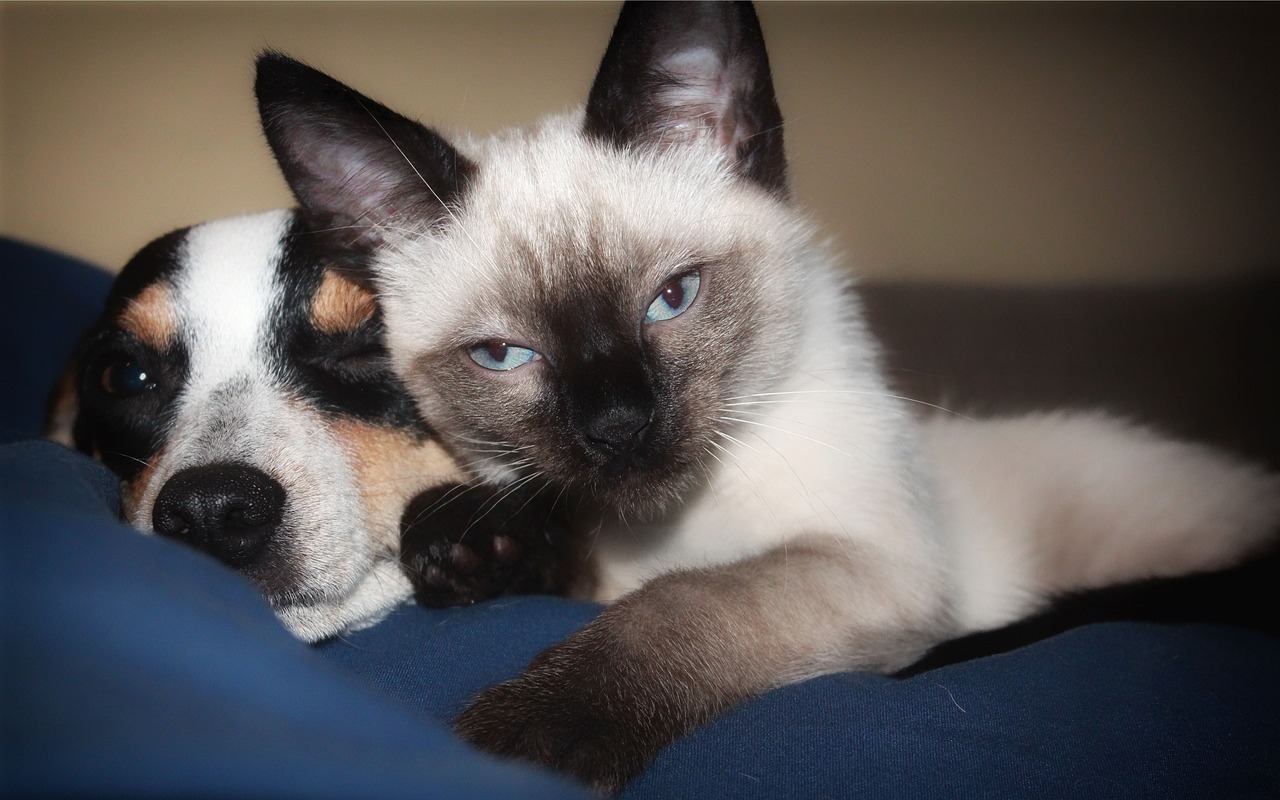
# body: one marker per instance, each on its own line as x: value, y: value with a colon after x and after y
x: 135, y: 667
x: 53, y: 300
x: 1116, y: 710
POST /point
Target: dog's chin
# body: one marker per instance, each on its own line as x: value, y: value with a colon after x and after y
x: 375, y: 596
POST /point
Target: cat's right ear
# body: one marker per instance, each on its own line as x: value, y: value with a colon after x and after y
x: 354, y: 165
x: 677, y: 71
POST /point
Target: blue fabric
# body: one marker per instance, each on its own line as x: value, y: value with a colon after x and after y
x: 53, y: 300
x: 1117, y: 710
x: 134, y: 667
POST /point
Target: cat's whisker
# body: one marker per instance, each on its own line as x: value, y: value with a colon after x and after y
x: 492, y: 504
x: 451, y: 496
x: 413, y: 167
x: 552, y: 508
x: 531, y: 497
x: 736, y: 440
x: 710, y: 473
x: 738, y: 407
x: 592, y: 537
x: 143, y: 462
x: 742, y: 468
x: 480, y: 465
x: 448, y: 210
x: 502, y: 450
x: 496, y: 501
x: 711, y: 453
x: 802, y: 487
x: 621, y: 515
x: 361, y: 228
x: 500, y: 458
x: 490, y: 442
x: 790, y: 433
x: 382, y: 557
x: 859, y: 392
x: 774, y: 416
x: 809, y: 494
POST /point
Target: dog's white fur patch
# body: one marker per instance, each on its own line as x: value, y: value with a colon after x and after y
x: 233, y: 408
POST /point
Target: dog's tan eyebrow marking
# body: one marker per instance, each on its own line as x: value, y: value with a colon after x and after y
x: 152, y: 316
x: 340, y: 304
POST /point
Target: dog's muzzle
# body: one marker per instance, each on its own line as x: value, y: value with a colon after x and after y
x: 230, y: 511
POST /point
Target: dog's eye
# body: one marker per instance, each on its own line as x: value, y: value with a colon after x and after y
x: 127, y: 378
x: 353, y: 356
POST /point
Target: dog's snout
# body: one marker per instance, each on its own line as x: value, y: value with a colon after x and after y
x: 227, y: 510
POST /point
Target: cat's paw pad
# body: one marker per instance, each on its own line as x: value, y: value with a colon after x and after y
x: 461, y: 546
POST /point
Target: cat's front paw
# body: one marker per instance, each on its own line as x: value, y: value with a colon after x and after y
x: 573, y: 711
x: 463, y: 545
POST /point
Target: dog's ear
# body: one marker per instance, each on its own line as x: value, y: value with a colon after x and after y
x: 675, y: 71
x: 63, y: 407
x: 355, y: 166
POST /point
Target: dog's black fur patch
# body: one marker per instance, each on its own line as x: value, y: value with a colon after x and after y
x: 347, y: 373
x: 126, y: 430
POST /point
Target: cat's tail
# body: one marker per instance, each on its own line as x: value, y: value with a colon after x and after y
x: 1044, y: 504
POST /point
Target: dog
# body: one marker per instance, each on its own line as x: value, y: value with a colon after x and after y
x: 238, y: 386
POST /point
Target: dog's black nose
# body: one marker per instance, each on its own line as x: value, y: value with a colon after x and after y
x: 228, y: 510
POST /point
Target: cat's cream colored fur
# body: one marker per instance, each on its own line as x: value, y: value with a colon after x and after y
x: 982, y: 519
x: 847, y: 528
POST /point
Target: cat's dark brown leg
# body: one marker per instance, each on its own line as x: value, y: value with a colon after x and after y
x: 690, y: 644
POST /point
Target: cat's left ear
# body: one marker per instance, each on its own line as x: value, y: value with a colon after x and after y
x: 675, y: 71
x: 354, y: 165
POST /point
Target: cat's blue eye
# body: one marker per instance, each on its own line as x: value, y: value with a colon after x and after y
x: 675, y: 297
x: 127, y: 378
x: 501, y: 357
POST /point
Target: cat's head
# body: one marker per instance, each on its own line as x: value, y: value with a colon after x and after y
x: 578, y: 300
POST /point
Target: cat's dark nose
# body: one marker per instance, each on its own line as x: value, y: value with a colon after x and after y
x: 228, y: 510
x: 619, y: 431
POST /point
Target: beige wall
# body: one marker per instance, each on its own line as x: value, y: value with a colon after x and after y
x: 1020, y: 142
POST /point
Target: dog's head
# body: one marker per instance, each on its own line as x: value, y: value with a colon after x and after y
x: 238, y: 386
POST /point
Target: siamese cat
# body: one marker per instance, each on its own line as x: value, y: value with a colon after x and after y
x: 624, y: 305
